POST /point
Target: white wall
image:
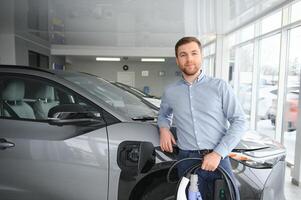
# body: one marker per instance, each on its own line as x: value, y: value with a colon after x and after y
x: 15, y: 40
x: 24, y: 45
x: 108, y: 70
x: 7, y: 49
x: 7, y: 38
x: 25, y: 40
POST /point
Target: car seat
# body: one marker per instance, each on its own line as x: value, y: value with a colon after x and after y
x: 13, y: 100
x: 45, y: 101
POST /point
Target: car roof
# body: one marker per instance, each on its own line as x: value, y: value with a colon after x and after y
x: 55, y: 72
x: 21, y: 67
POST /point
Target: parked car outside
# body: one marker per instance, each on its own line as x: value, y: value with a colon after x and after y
x: 264, y: 102
x: 69, y: 135
x: 291, y: 108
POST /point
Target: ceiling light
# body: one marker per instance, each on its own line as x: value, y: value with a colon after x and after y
x: 107, y: 59
x: 152, y: 59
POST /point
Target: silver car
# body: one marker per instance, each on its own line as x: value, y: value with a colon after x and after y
x: 68, y: 135
x: 152, y: 101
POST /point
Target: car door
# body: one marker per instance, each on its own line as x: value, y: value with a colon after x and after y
x: 42, y: 160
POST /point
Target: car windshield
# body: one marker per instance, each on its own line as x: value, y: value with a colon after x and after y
x: 131, y: 89
x: 115, y: 97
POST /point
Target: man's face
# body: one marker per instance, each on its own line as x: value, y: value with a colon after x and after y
x: 189, y: 58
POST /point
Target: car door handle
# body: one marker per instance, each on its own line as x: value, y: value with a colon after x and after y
x: 4, y: 144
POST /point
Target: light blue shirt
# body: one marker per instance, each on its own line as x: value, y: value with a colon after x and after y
x: 206, y: 113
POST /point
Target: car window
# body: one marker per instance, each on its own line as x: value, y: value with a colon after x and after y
x: 113, y: 96
x: 32, y: 99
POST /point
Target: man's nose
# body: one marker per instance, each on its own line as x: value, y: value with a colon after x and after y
x: 189, y: 57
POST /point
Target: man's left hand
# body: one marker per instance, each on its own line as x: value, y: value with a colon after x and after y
x: 211, y: 161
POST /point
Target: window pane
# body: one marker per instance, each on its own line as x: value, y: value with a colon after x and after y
x: 231, y: 66
x: 206, y: 64
x: 231, y: 39
x: 292, y: 94
x: 212, y: 48
x: 247, y: 33
x: 296, y: 14
x: 268, y: 82
x: 245, y: 65
x: 206, y: 51
x: 209, y: 50
x: 271, y: 23
x: 211, y: 66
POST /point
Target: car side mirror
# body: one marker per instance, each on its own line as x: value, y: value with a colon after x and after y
x: 73, y: 114
x: 135, y: 157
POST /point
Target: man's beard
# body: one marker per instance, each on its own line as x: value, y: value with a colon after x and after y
x: 192, y: 72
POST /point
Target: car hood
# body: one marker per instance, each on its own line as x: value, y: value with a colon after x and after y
x: 259, y: 146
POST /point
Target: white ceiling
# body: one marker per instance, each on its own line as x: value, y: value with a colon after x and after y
x: 151, y: 23
x: 139, y: 23
x: 77, y: 26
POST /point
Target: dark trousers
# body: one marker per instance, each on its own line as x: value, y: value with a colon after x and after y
x: 206, y: 178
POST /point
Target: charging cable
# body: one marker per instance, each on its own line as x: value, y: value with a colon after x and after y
x: 191, y: 176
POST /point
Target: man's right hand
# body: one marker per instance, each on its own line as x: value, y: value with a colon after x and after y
x: 166, y: 140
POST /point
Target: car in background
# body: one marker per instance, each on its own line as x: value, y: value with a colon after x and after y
x: 291, y: 108
x: 265, y: 99
x: 70, y: 135
x: 153, y: 100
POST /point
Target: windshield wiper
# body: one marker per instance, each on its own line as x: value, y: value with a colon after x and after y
x: 143, y: 118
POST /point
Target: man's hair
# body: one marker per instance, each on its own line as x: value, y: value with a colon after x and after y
x: 186, y: 40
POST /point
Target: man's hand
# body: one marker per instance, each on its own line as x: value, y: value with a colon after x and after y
x: 211, y: 161
x: 166, y: 140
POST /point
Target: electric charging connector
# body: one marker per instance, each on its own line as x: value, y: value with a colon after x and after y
x: 193, y: 191
x: 220, y: 190
x: 181, y: 193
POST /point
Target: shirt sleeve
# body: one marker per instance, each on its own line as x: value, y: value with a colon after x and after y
x: 165, y: 113
x: 235, y: 115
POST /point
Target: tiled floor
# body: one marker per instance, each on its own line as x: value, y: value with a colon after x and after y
x: 292, y: 192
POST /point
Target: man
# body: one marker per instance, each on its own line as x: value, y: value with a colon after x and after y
x: 202, y: 109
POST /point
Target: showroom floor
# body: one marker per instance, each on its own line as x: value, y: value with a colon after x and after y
x: 292, y: 192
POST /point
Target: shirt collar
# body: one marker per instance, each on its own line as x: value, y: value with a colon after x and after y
x: 198, y: 79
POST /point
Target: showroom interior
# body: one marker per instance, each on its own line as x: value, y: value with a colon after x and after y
x: 254, y: 45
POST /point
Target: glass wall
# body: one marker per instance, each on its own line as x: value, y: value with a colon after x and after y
x: 266, y: 59
x: 209, y: 59
x: 268, y: 84
x: 292, y: 93
x: 244, y: 62
x: 295, y: 13
x: 247, y: 33
x: 271, y: 22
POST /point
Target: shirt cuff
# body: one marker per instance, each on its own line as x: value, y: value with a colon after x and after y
x: 163, y: 124
x: 221, y: 151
